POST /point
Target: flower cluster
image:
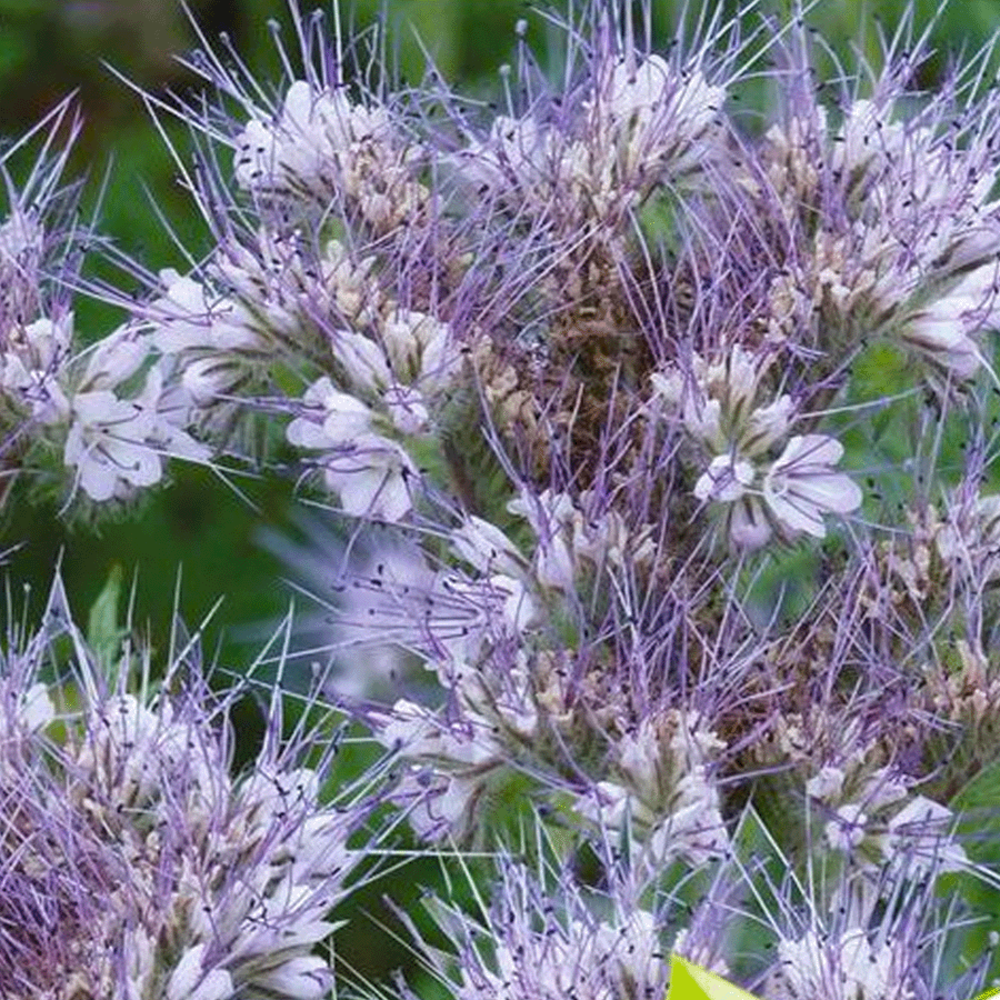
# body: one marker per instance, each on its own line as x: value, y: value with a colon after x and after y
x: 548, y: 940
x: 135, y: 862
x: 792, y: 492
x: 658, y: 448
x: 324, y: 147
x: 108, y: 414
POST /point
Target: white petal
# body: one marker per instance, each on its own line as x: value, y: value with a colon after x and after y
x: 796, y: 516
x: 115, y: 359
x: 305, y: 433
x: 814, y: 449
x: 725, y: 480
x: 748, y: 527
x: 346, y: 419
x: 919, y: 814
x: 832, y: 491
x: 486, y: 547
x: 363, y: 358
x: 304, y: 977
x: 98, y: 481
x: 297, y: 110
x: 375, y: 486
x: 189, y: 982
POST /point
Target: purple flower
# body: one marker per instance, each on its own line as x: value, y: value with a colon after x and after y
x: 135, y: 863
x: 542, y: 936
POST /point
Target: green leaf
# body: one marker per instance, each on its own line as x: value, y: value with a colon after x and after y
x: 104, y: 632
x: 977, y: 807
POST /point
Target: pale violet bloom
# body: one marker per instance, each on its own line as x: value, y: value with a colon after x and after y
x: 126, y: 734
x: 35, y: 708
x: 911, y: 834
x: 502, y: 590
x: 407, y: 409
x: 642, y: 124
x: 919, y: 839
x: 310, y: 136
x: 340, y: 417
x: 718, y: 404
x: 363, y: 361
x: 659, y: 118
x: 570, y: 539
x: 448, y: 768
x: 867, y: 136
x: 22, y: 238
x: 662, y: 786
x: 516, y: 161
x: 369, y: 472
x: 550, y: 514
x: 189, y: 316
x: 848, y: 966
x: 719, y: 407
x: 485, y: 546
x: 31, y: 364
x: 467, y: 611
x: 802, y: 486
x: 114, y: 360
x: 212, y: 336
x: 420, y: 348
x: 322, y: 145
x: 119, y: 445
x: 940, y: 332
x: 917, y: 263
x: 371, y: 477
x: 413, y: 358
x: 306, y: 977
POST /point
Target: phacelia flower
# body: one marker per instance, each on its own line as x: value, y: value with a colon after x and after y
x: 370, y: 472
x: 801, y: 487
x: 792, y: 493
x: 548, y: 939
x: 322, y: 145
x: 135, y: 862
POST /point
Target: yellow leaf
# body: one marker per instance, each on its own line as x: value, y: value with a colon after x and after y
x: 691, y: 982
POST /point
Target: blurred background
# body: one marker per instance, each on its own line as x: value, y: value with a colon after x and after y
x: 52, y: 48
